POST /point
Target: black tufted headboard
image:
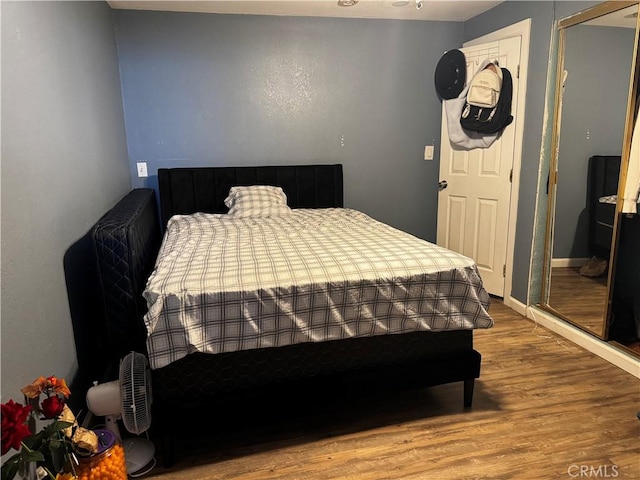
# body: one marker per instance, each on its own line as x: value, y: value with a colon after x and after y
x: 189, y: 190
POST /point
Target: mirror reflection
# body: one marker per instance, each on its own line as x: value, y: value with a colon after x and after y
x: 596, y: 63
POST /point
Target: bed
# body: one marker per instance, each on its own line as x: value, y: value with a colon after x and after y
x: 423, y: 355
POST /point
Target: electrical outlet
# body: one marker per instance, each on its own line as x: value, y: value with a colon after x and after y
x: 142, y: 169
x: 428, y: 152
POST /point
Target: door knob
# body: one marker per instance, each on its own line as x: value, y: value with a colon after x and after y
x: 442, y: 185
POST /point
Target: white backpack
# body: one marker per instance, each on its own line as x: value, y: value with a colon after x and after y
x: 484, y: 88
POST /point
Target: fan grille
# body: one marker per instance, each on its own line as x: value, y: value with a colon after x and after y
x: 135, y: 386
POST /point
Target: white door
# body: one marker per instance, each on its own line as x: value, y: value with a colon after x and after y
x: 473, y: 210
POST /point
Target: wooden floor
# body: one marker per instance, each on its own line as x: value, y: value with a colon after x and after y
x: 579, y: 298
x: 543, y: 409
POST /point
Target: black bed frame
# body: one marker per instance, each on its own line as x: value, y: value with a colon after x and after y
x: 127, y: 241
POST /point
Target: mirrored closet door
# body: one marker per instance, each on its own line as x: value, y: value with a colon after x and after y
x: 592, y: 122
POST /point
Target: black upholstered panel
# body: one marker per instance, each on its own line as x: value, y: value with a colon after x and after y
x: 605, y: 170
x: 189, y: 190
x: 200, y: 375
x: 603, y: 174
x: 126, y: 241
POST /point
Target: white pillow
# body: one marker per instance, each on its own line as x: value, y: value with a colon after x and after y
x: 257, y: 201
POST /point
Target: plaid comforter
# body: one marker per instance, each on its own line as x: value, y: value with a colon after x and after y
x: 223, y: 284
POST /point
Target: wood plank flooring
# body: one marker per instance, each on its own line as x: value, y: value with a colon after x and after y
x: 580, y: 299
x: 543, y: 409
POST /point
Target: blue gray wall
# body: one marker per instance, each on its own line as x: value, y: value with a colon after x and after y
x: 64, y: 163
x: 598, y: 61
x: 203, y: 89
x: 228, y: 90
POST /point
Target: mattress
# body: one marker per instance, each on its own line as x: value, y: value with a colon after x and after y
x: 224, y: 284
x: 126, y: 241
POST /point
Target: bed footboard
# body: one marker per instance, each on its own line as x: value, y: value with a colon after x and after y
x: 223, y: 385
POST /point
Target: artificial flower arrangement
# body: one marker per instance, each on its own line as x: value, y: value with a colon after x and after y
x: 53, y: 448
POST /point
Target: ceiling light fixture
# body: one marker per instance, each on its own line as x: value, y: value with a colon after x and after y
x: 347, y: 3
x: 418, y: 4
x: 400, y: 3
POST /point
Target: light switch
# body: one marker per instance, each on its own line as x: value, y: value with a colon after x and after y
x: 142, y: 169
x: 428, y: 152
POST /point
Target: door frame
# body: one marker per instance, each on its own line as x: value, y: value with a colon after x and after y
x: 523, y: 30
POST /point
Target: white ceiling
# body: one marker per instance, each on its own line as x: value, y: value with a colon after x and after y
x: 436, y: 10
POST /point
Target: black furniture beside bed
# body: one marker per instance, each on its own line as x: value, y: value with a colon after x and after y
x: 603, y: 173
x: 127, y: 242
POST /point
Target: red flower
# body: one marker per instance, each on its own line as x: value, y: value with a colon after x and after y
x: 52, y: 407
x: 14, y: 429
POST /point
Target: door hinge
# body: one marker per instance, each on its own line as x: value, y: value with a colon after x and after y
x: 518, y: 72
x: 511, y: 176
x: 504, y: 270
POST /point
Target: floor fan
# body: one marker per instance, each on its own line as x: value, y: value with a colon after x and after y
x: 128, y: 399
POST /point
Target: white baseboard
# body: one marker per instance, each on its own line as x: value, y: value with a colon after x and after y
x: 568, y: 262
x: 516, y: 305
x: 594, y: 345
